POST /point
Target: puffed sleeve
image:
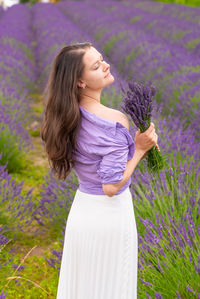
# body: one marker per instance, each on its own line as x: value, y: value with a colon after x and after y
x: 115, y: 155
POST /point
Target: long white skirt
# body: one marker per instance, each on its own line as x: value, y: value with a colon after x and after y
x: 100, y: 252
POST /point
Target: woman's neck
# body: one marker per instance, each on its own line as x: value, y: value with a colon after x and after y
x: 88, y: 100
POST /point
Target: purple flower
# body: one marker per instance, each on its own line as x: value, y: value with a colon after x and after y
x: 3, y: 296
x: 138, y: 104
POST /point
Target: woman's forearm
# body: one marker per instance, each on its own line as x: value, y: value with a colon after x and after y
x: 130, y: 167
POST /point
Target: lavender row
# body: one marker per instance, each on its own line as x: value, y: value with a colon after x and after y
x: 13, y: 199
x: 49, y: 42
x: 18, y: 77
x: 17, y: 73
x: 189, y: 98
x: 136, y: 54
x: 169, y: 29
x: 16, y: 207
x: 128, y: 31
x: 1, y: 11
x: 181, y: 12
x: 17, y: 49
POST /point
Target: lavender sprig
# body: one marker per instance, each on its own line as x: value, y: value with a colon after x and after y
x: 138, y: 104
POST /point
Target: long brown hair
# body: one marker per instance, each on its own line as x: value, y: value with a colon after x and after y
x: 62, y: 118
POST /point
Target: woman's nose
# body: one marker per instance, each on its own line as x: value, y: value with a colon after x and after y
x: 106, y: 65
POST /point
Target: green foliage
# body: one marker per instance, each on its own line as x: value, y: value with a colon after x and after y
x: 18, y: 45
x: 30, y: 2
x: 32, y: 176
x: 107, y: 47
x: 111, y: 98
x: 192, y: 44
x: 127, y: 59
x: 184, y: 2
x: 38, y: 279
x: 99, y: 34
x: 35, y: 280
x: 164, y: 265
x: 135, y: 19
x: 148, y: 26
x: 10, y: 151
x: 35, y: 133
x: 179, y: 34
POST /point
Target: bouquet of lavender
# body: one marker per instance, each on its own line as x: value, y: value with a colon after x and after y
x: 138, y: 104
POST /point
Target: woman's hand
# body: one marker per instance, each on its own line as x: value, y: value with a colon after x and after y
x: 158, y: 147
x: 145, y: 154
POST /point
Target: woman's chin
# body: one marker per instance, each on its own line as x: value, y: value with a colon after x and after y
x: 110, y: 78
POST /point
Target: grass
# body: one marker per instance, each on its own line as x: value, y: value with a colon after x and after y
x: 38, y: 279
x: 11, y: 153
x: 193, y: 3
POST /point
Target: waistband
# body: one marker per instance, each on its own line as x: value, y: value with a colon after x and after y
x: 123, y: 194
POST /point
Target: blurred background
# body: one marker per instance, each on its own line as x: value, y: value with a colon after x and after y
x: 142, y: 40
x: 8, y: 3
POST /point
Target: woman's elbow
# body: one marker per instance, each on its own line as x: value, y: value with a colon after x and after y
x: 109, y: 189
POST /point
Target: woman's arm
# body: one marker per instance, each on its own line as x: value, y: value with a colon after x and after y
x: 112, y: 189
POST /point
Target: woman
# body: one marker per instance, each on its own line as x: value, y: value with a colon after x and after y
x: 100, y: 251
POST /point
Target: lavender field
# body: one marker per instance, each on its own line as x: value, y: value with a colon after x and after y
x: 141, y: 40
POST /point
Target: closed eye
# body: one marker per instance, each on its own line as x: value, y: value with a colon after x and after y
x: 98, y: 66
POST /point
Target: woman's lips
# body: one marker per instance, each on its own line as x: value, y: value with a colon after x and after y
x: 107, y: 75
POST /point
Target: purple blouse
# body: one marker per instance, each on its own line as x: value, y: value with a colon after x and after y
x: 103, y: 149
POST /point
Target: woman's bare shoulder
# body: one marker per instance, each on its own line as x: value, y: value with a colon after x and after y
x: 108, y: 113
x: 117, y: 115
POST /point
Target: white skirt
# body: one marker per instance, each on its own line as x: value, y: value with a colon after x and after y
x: 100, y: 252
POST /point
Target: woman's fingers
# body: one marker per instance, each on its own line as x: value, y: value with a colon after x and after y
x: 158, y: 147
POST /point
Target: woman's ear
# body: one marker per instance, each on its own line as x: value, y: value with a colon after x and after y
x: 81, y: 84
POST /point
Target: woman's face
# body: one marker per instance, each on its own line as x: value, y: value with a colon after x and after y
x: 95, y: 70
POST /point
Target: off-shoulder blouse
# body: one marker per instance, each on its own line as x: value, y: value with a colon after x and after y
x: 103, y: 149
